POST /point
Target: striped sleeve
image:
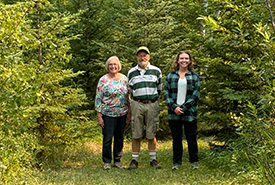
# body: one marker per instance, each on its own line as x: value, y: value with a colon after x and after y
x: 160, y: 84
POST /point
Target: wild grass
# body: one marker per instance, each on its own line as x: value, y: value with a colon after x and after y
x: 83, y: 165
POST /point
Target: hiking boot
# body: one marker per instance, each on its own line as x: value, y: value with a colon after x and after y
x: 195, y: 165
x: 155, y: 164
x: 107, y: 166
x: 133, y: 165
x: 119, y: 165
x: 176, y: 166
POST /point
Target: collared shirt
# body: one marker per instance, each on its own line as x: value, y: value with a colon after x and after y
x: 147, y: 85
x: 190, y: 106
x: 112, y: 97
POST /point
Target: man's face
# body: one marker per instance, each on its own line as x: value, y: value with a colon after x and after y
x: 143, y: 59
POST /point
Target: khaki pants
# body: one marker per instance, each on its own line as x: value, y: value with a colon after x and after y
x: 144, y: 115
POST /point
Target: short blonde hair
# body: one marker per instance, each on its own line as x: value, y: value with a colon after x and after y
x: 109, y: 60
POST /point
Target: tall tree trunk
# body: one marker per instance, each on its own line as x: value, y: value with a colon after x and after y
x: 270, y: 15
x: 38, y: 32
x: 145, y: 4
x: 205, y: 5
x: 40, y: 120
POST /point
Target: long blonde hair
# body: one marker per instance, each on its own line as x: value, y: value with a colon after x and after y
x: 176, y: 64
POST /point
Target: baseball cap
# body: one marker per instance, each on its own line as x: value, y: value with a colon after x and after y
x: 143, y: 48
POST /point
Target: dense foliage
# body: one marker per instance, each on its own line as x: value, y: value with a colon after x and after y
x: 39, y: 106
x: 52, y: 54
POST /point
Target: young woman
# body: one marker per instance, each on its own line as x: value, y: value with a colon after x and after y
x: 182, y: 92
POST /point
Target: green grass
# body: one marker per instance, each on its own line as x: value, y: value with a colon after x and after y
x: 84, y: 166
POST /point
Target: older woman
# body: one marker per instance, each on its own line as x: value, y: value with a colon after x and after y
x: 182, y: 92
x: 112, y: 106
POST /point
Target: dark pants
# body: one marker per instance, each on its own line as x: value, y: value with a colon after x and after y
x: 190, y: 130
x: 113, y: 127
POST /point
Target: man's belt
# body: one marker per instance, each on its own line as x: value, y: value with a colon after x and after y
x: 146, y: 101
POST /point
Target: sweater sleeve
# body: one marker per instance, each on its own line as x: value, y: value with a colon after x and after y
x: 167, y: 94
x: 99, y: 96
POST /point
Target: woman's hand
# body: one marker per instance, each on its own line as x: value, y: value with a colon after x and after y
x: 178, y: 111
x: 100, y: 120
x: 128, y: 119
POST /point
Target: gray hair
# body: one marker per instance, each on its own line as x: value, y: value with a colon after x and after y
x: 109, y: 60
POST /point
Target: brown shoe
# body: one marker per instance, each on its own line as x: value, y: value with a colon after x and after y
x: 119, y: 165
x: 155, y: 164
x: 107, y: 166
x: 133, y: 165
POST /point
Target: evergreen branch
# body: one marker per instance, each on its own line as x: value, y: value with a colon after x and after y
x: 24, y: 15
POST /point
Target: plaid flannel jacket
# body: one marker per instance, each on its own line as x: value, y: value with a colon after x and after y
x: 190, y: 107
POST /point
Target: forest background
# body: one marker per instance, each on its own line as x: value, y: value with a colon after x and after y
x: 52, y: 54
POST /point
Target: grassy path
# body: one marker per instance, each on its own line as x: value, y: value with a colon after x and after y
x: 84, y: 166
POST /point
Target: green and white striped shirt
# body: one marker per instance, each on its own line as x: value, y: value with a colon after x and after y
x: 145, y: 85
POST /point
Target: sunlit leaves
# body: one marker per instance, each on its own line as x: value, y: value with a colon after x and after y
x: 36, y: 98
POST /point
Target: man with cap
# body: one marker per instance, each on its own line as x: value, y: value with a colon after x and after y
x: 145, y: 82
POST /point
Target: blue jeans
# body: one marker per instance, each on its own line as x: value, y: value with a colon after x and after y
x: 113, y: 127
x: 190, y: 130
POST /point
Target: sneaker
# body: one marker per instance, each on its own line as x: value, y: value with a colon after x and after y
x: 195, y: 165
x: 119, y: 165
x: 107, y: 166
x: 133, y: 165
x: 176, y: 166
x: 155, y: 164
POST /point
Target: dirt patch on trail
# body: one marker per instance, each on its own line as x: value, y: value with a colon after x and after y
x: 95, y: 148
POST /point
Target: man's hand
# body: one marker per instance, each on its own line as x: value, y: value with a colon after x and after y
x: 128, y: 119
